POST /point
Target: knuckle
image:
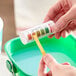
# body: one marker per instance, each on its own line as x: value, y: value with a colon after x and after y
x: 74, y: 7
x: 65, y: 19
x: 57, y: 66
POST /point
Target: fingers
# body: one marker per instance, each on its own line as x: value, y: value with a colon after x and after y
x: 57, y: 35
x: 41, y: 68
x: 50, y: 36
x: 49, y: 73
x: 54, y: 10
x: 66, y: 63
x: 63, y: 33
x: 64, y: 20
x: 49, y: 61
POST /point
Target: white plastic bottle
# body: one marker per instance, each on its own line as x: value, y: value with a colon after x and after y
x: 1, y: 31
x: 40, y: 30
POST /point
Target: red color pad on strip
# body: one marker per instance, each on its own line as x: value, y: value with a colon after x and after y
x: 29, y: 36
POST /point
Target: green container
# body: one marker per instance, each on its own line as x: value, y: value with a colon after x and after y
x: 25, y: 58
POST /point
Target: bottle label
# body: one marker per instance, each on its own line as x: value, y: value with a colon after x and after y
x: 40, y: 30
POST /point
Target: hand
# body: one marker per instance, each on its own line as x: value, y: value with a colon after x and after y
x: 63, y: 13
x: 56, y: 69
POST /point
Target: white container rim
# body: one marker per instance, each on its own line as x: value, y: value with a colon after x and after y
x: 1, y: 24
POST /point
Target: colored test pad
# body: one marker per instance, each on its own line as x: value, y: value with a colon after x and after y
x: 47, y: 30
x: 29, y: 36
x: 38, y: 33
x: 42, y: 31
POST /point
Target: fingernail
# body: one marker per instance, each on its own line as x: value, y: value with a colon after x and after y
x: 45, y: 57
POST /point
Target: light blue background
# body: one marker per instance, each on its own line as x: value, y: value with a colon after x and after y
x: 0, y: 40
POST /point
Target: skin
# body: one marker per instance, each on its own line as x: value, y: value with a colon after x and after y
x: 63, y: 13
x: 56, y: 69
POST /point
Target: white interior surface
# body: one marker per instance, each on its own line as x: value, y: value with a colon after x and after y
x: 3, y: 69
x: 31, y: 12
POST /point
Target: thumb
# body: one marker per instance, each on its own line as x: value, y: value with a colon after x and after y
x: 63, y: 21
x: 49, y: 61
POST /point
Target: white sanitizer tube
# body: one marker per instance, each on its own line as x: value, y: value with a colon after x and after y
x: 40, y: 30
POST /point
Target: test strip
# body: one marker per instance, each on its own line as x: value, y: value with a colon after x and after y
x: 33, y: 33
x: 39, y: 44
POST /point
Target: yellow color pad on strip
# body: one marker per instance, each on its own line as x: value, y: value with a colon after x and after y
x: 39, y: 44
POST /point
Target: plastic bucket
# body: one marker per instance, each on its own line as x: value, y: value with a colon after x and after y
x: 26, y: 58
